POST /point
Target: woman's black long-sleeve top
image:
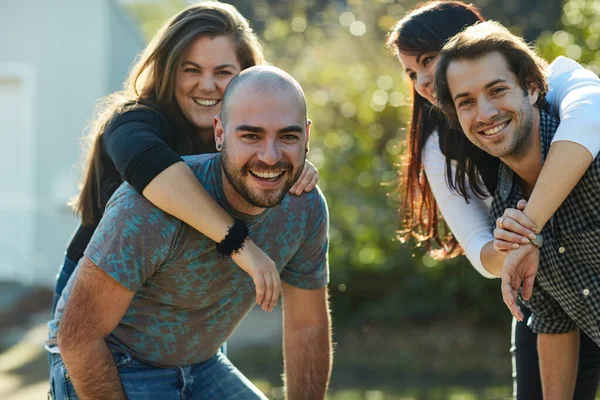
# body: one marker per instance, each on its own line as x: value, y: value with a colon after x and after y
x: 134, y: 147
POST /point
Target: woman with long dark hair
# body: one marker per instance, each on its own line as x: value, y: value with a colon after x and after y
x: 166, y: 110
x: 444, y: 170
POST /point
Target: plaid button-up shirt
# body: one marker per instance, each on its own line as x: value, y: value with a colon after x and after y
x: 566, y: 292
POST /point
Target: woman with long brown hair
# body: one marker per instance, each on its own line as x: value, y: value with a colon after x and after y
x: 166, y: 110
x: 444, y: 170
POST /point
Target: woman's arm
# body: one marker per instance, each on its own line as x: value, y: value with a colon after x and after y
x: 177, y: 191
x: 575, y: 95
x: 469, y: 222
x: 142, y: 157
x: 492, y: 259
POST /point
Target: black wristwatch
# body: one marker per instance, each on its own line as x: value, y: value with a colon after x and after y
x: 538, y: 241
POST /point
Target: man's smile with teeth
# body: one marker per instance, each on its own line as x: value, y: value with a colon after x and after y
x: 267, y: 175
x: 494, y: 130
x: 206, y: 102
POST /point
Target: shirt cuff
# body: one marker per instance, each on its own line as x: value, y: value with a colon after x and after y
x: 551, y: 325
x: 473, y: 253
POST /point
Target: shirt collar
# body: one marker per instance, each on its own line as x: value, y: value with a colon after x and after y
x: 548, y: 125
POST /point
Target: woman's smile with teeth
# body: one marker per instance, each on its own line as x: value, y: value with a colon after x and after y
x: 494, y: 130
x: 206, y: 102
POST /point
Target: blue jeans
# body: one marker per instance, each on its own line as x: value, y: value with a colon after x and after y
x: 215, y: 378
x: 64, y: 273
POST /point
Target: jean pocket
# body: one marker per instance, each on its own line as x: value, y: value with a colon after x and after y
x: 66, y: 386
x: 70, y: 390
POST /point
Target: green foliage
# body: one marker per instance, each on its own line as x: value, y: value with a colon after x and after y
x: 151, y: 15
x: 579, y: 36
x: 359, y: 102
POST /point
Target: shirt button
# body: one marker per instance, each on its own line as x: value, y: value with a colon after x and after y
x: 561, y: 250
x: 586, y: 292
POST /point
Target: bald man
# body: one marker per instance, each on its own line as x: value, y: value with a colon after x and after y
x: 152, y: 302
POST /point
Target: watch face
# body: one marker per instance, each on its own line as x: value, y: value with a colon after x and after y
x: 538, y: 241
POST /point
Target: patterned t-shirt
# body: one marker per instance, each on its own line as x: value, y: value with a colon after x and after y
x: 187, y: 300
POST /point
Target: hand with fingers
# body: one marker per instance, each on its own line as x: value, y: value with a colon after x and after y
x: 307, y: 180
x: 520, y: 268
x: 513, y: 229
x: 263, y: 271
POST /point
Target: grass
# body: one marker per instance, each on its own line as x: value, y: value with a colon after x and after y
x: 444, y: 360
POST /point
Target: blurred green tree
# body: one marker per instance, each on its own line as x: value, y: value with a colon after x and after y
x: 359, y: 103
x: 150, y: 15
x: 578, y: 34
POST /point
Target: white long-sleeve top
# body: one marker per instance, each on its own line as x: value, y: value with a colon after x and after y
x: 575, y: 96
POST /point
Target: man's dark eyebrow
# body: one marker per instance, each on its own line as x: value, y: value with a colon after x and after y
x: 258, y: 129
x: 489, y: 85
x: 464, y: 94
x: 249, y: 128
x: 290, y: 129
x: 492, y: 83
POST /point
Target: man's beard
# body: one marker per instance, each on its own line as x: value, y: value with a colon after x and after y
x: 260, y: 198
x: 522, y: 143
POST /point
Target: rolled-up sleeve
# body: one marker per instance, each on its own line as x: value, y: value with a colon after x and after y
x: 574, y: 96
x: 547, y: 315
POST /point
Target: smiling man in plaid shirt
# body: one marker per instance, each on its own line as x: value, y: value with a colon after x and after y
x: 493, y: 84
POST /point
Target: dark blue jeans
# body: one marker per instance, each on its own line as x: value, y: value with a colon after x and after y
x: 215, y: 378
x: 64, y: 273
x: 526, y: 371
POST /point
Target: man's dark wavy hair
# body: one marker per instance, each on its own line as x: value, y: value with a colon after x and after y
x: 482, y: 39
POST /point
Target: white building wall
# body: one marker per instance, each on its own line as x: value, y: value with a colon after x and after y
x: 67, y: 46
x: 125, y: 40
x: 17, y: 183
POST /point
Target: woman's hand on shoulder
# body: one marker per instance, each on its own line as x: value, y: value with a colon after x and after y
x: 307, y: 181
x: 513, y: 229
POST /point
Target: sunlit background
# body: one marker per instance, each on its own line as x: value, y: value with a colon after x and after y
x: 406, y: 325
